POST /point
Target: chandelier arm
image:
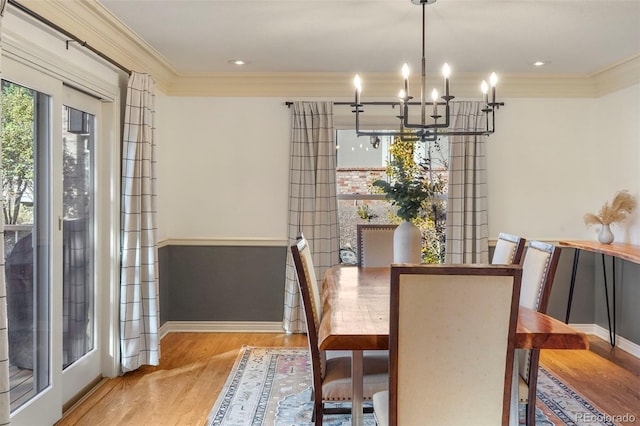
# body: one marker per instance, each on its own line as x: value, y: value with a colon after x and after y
x: 487, y: 119
x: 412, y: 137
x: 408, y: 125
x: 465, y: 133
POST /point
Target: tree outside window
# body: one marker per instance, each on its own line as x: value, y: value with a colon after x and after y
x: 18, y: 113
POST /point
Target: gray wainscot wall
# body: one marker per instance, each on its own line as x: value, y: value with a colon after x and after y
x: 246, y: 283
x: 222, y: 283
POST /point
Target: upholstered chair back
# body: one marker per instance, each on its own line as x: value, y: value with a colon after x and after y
x: 310, y: 276
x: 452, y: 337
x: 375, y: 244
x: 538, y: 271
x: 508, y: 250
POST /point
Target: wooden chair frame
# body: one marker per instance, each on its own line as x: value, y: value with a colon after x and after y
x: 312, y: 318
x: 313, y: 323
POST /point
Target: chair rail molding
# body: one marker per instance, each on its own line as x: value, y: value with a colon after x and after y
x: 227, y: 241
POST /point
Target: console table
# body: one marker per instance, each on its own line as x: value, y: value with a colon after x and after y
x: 624, y: 251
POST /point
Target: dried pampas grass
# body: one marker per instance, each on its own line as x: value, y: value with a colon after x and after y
x: 621, y: 205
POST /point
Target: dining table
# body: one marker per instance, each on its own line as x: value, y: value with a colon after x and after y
x: 355, y: 317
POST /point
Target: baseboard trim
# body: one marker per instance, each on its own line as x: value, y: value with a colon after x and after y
x: 221, y: 327
x: 603, y: 333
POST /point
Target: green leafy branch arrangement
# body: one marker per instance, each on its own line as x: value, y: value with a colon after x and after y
x: 408, y: 188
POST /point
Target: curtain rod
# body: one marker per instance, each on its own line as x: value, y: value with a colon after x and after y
x: 390, y: 103
x: 61, y: 30
x: 289, y: 103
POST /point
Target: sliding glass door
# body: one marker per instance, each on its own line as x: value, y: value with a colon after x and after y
x: 50, y: 140
x: 26, y: 118
x: 80, y: 355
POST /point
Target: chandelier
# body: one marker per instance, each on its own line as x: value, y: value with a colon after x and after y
x: 438, y: 122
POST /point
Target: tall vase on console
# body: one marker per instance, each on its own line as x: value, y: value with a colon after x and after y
x: 605, y: 236
x: 615, y: 211
x: 407, y: 243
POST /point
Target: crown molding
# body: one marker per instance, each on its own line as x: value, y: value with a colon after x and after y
x: 375, y: 86
x: 91, y: 22
x: 617, y: 76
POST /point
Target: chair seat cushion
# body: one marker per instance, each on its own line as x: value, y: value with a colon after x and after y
x: 336, y: 385
x: 523, y: 391
x: 381, y: 407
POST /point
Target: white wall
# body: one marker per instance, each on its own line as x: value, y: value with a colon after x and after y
x: 223, y: 165
x: 618, y: 142
x: 223, y: 168
x: 553, y: 160
x: 540, y: 164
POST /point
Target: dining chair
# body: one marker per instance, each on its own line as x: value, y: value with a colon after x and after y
x: 538, y: 271
x: 508, y: 250
x: 451, y: 345
x: 375, y: 244
x: 331, y: 370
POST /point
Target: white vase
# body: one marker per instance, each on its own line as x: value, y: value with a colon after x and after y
x: 605, y: 236
x: 407, y: 243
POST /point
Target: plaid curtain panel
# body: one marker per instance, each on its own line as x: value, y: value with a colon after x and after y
x: 313, y: 205
x: 467, y: 219
x: 139, y: 302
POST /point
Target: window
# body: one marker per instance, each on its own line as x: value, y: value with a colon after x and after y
x: 361, y: 161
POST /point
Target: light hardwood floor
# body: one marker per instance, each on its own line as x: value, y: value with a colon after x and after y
x: 194, y: 367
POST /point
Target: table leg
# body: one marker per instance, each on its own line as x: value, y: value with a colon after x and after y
x: 356, y: 388
x: 574, y: 271
x: 612, y: 324
x: 613, y: 291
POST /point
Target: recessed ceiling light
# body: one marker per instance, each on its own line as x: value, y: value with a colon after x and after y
x: 540, y: 63
x: 237, y: 62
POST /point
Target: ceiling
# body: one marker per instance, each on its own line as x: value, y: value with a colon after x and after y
x: 579, y: 37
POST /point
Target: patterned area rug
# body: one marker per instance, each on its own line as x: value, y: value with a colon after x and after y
x: 272, y: 386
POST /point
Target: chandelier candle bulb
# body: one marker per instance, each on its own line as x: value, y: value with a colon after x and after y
x: 484, y: 87
x: 358, y: 85
x: 405, y: 77
x: 434, y: 97
x: 446, y: 72
x: 493, y: 80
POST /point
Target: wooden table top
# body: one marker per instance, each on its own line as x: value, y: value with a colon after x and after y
x: 626, y: 251
x: 356, y: 315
